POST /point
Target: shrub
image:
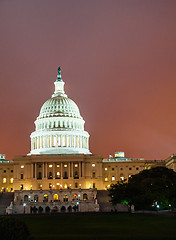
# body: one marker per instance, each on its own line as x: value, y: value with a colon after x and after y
x: 13, y: 229
x: 40, y: 209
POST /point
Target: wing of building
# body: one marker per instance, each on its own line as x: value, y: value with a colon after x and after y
x: 60, y: 166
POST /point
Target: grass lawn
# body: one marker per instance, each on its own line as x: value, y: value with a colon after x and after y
x: 101, y: 226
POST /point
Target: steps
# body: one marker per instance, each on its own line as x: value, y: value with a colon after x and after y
x: 5, y: 200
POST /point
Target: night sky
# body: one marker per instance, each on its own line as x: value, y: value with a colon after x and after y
x: 118, y: 61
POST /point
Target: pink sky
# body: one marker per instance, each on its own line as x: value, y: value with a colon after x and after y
x: 118, y: 61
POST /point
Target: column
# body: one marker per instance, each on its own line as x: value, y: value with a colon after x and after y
x: 35, y: 170
x: 61, y: 141
x: 61, y: 170
x: 32, y: 171
x: 72, y: 169
x: 69, y: 170
x: 54, y: 171
x: 79, y: 169
x: 43, y: 170
x: 37, y: 139
x: 50, y: 141
x: 46, y: 170
x: 83, y: 173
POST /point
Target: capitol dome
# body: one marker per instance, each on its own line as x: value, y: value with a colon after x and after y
x: 59, y: 128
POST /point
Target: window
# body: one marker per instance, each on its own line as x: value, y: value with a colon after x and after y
x: 55, y: 197
x: 22, y: 176
x: 76, y: 185
x: 75, y: 197
x: 112, y: 169
x: 121, y: 169
x: 21, y: 187
x: 4, y: 180
x: 122, y: 178
x: 58, y: 165
x: 45, y: 199
x: 113, y: 178
x: 76, y: 176
x: 25, y: 198
x: 137, y: 168
x: 58, y: 174
x: 11, y: 180
x: 50, y: 175
x: 65, y: 165
x: 106, y: 169
x: 129, y: 176
x: 130, y: 168
x: 50, y: 166
x: 106, y: 179
x: 93, y: 185
x: 85, y: 196
x: 93, y: 175
x: 39, y: 175
x: 35, y: 198
x: 11, y: 170
x: 93, y: 164
x: 40, y: 166
x: 76, y: 165
x: 4, y: 170
x: 65, y: 175
x: 22, y: 166
x: 65, y: 199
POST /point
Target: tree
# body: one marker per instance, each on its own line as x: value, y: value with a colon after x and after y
x: 150, y: 189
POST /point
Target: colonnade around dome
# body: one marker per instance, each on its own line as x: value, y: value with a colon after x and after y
x: 46, y: 142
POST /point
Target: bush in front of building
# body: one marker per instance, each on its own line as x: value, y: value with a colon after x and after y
x: 13, y: 229
x: 40, y: 209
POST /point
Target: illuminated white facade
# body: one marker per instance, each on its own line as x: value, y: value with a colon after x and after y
x: 59, y: 128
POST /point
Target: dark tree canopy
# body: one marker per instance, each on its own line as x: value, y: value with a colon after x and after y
x: 150, y: 189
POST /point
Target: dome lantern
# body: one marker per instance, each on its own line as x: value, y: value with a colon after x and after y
x: 59, y: 85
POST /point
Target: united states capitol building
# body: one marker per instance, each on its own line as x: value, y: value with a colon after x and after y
x: 60, y: 172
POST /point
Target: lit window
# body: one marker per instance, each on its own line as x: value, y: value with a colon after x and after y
x: 122, y: 178
x: 113, y: 178
x: 58, y: 173
x: 11, y: 180
x: 106, y: 179
x: 50, y: 166
x: 76, y: 165
x: 4, y: 180
x: 106, y: 169
x: 129, y: 176
x: 65, y: 165
x: 58, y: 165
x: 93, y: 165
x: 22, y: 166
x: 57, y: 184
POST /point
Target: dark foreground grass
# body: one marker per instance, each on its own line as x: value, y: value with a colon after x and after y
x: 101, y: 226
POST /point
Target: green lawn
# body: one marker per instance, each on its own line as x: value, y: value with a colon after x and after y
x: 101, y: 226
